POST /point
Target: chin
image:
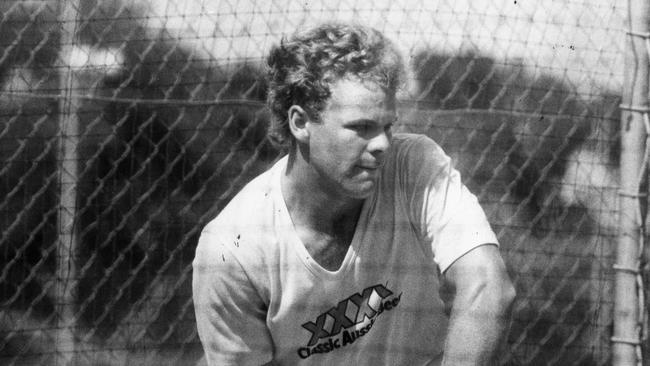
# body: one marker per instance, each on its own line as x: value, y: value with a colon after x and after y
x: 362, y: 191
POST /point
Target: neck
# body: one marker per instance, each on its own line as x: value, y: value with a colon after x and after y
x: 310, y: 202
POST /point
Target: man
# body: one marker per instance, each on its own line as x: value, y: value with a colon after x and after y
x: 336, y: 255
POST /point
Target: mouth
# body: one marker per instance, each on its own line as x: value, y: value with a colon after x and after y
x: 372, y: 168
x: 371, y: 171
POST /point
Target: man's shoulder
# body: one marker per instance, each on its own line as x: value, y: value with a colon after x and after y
x: 244, y: 229
x: 412, y: 149
x: 408, y: 140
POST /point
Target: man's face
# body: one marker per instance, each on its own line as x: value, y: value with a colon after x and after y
x: 348, y: 145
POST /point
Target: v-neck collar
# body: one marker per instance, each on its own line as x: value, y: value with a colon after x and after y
x: 288, y: 231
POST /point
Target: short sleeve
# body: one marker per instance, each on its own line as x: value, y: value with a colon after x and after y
x: 446, y: 213
x: 230, y: 314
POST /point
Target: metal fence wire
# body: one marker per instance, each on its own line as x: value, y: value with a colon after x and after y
x: 125, y: 125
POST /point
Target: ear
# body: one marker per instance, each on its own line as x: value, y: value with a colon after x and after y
x: 298, y: 119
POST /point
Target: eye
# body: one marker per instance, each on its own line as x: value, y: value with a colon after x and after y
x: 361, y: 126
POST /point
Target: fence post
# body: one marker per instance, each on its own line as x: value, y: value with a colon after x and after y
x: 68, y: 176
x: 628, y: 306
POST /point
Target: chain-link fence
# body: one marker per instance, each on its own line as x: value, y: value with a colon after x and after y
x: 125, y: 125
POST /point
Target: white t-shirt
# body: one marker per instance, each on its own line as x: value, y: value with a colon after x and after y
x: 259, y: 296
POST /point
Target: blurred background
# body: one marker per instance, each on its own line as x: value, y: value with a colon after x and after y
x: 126, y: 125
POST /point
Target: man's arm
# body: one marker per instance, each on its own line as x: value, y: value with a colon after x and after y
x: 230, y: 313
x: 482, y: 298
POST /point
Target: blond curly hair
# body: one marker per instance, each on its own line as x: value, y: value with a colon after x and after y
x: 301, y: 70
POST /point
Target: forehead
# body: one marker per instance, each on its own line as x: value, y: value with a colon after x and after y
x: 354, y: 93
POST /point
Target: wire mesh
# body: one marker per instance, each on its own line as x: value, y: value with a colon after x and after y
x: 167, y: 101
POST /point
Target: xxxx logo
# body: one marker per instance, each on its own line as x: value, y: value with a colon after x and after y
x: 349, y: 312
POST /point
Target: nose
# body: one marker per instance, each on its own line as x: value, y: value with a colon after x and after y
x: 381, y: 142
